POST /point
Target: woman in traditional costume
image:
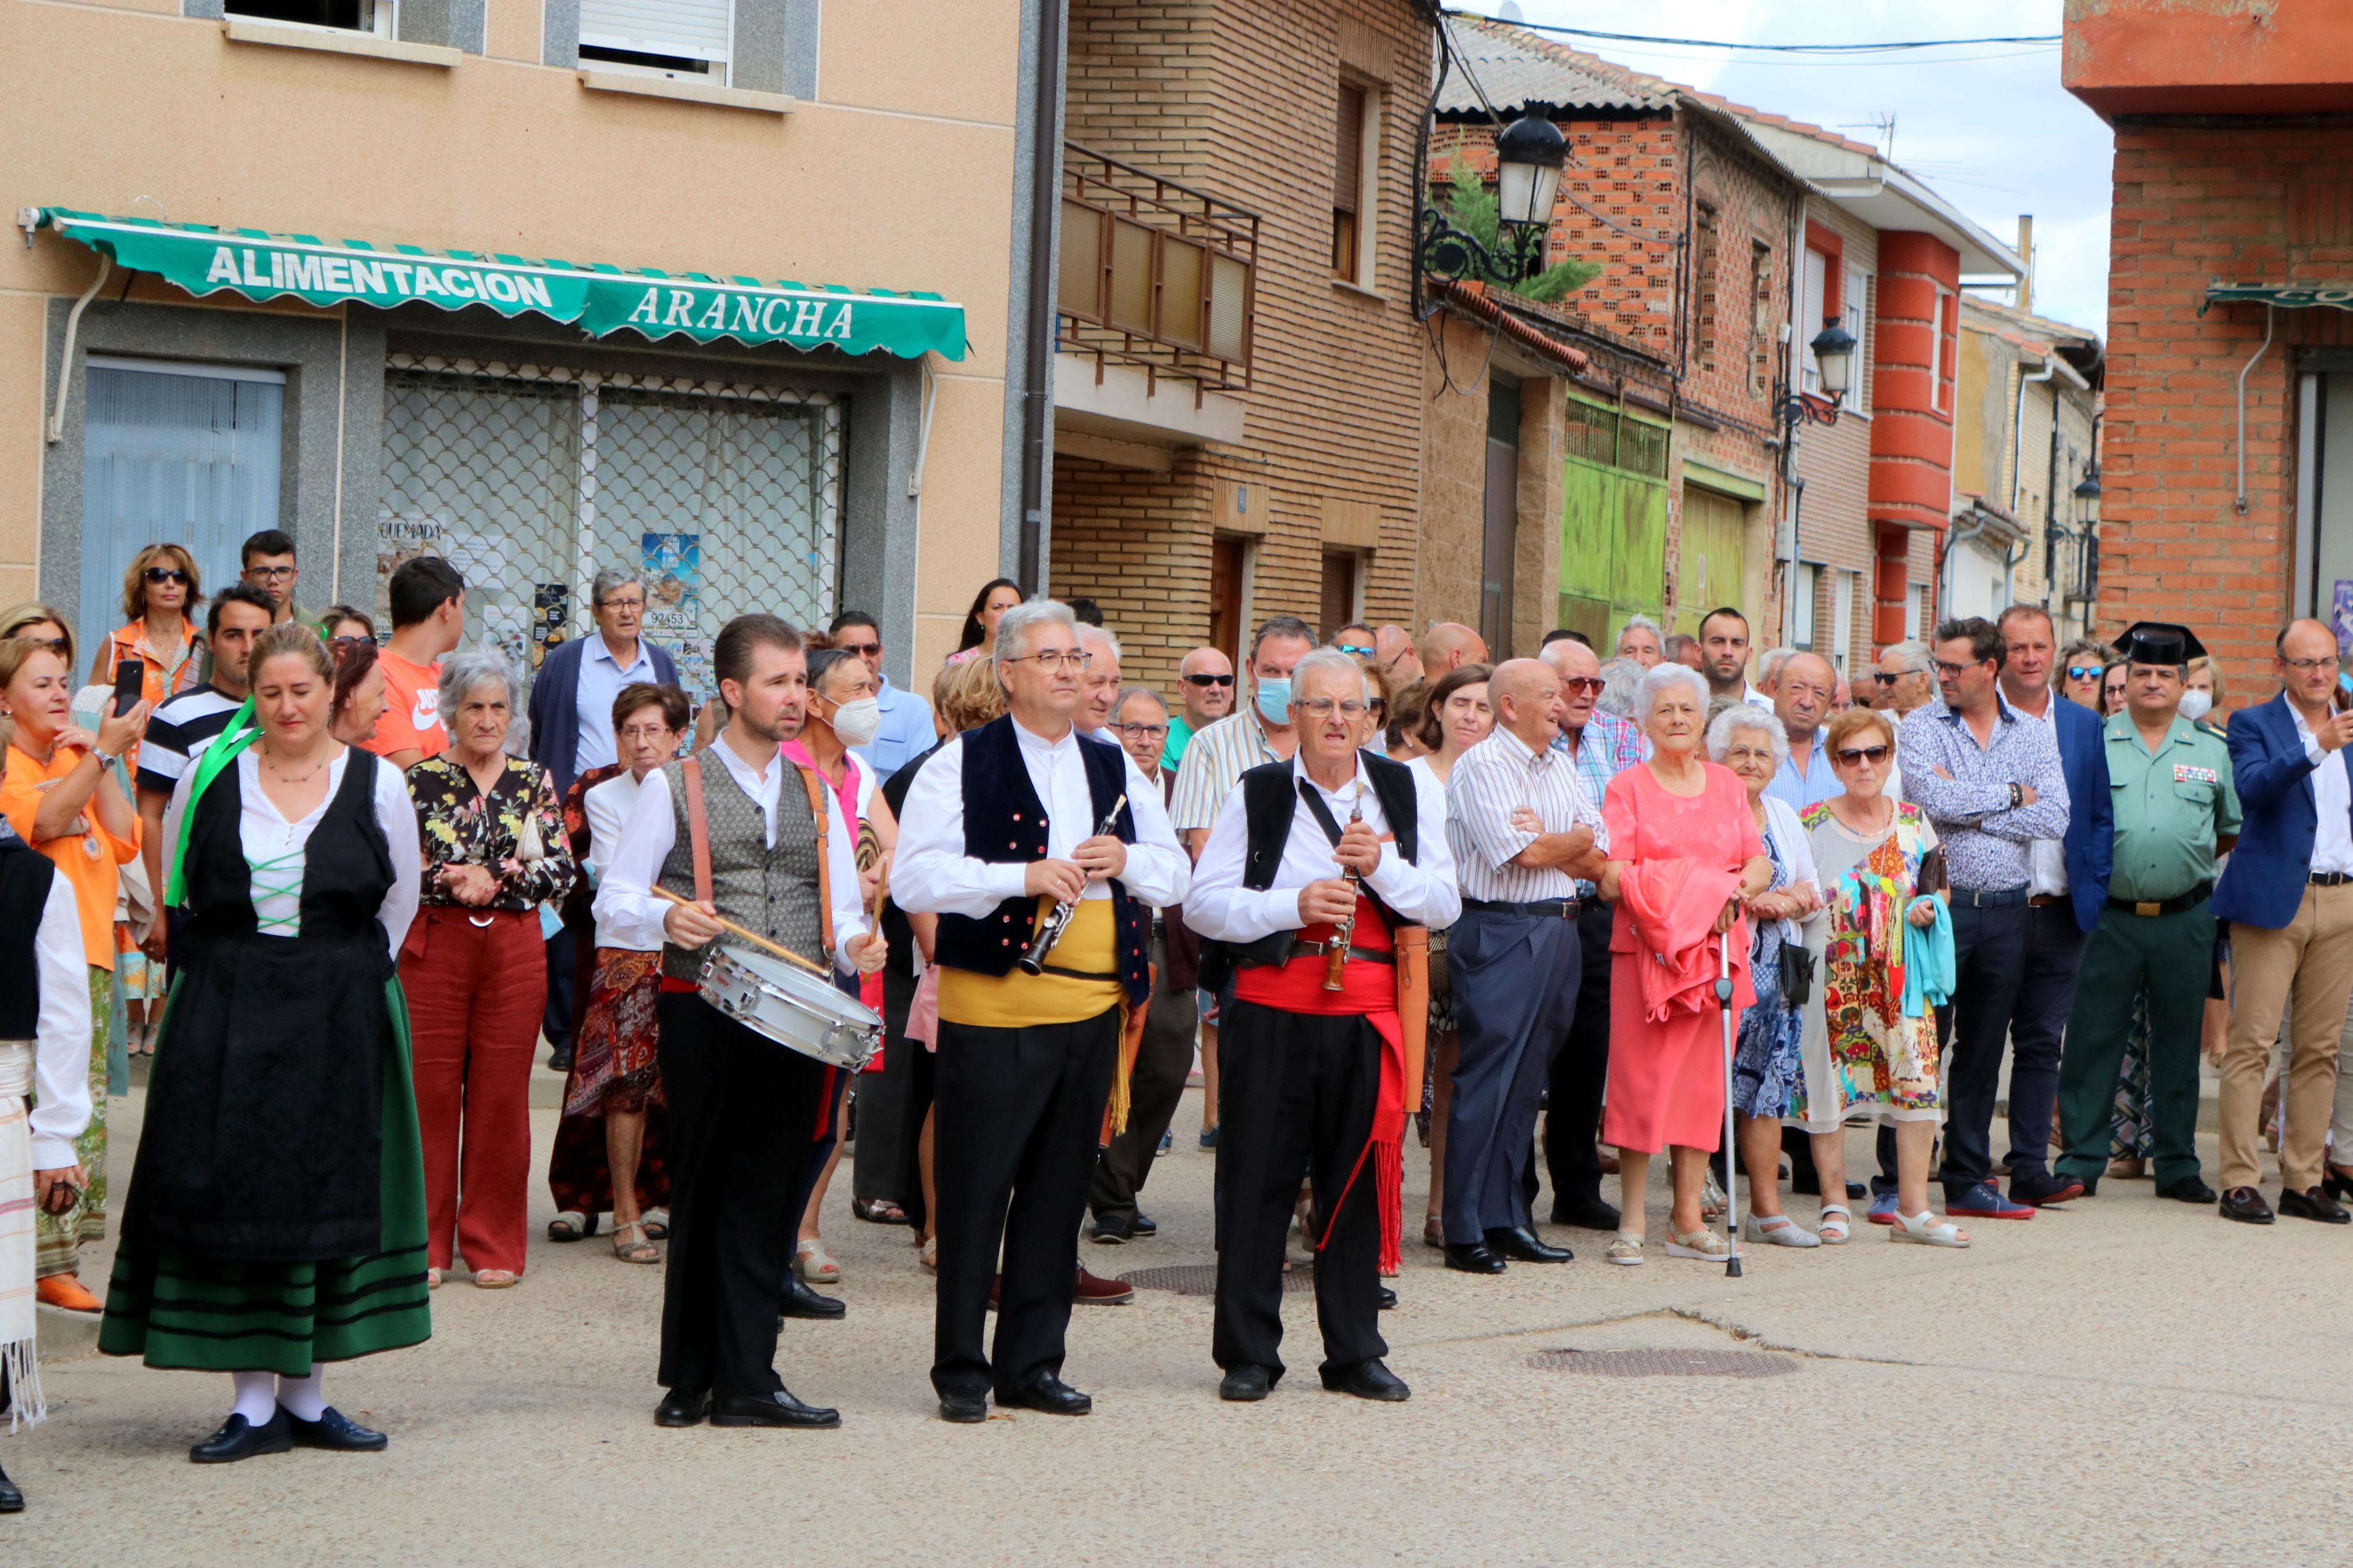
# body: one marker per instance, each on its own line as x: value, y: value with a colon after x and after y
x: 276, y: 1216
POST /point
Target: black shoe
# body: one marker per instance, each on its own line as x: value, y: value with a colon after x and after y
x: 2336, y: 1185
x: 777, y: 1409
x: 963, y: 1409
x: 1387, y: 1299
x: 1113, y: 1229
x: 240, y: 1439
x: 1051, y: 1395
x: 800, y: 1302
x: 1473, y: 1259
x: 1584, y: 1214
x: 1145, y: 1226
x: 2092, y: 1188
x: 684, y: 1407
x: 11, y: 1500
x: 336, y: 1431
x: 1367, y: 1380
x: 2313, y: 1203
x: 2046, y: 1192
x: 2189, y: 1189
x: 1245, y: 1384
x: 1522, y: 1244
x: 2246, y: 1205
x: 560, y: 1060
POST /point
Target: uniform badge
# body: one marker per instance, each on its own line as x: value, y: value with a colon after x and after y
x: 2190, y: 773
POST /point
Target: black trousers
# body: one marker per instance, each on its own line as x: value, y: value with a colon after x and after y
x: 877, y: 1160
x: 1155, y: 1087
x: 2046, y: 999
x: 1299, y: 1091
x: 1017, y: 1115
x: 1573, y: 1118
x: 562, y: 957
x: 1989, y: 962
x: 741, y: 1111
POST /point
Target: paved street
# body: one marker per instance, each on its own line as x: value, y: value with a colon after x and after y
x: 2126, y: 1381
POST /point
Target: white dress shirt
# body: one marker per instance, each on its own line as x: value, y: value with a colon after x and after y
x: 607, y: 806
x: 2332, y: 797
x: 632, y: 913
x: 602, y: 677
x: 2047, y: 857
x: 1491, y: 781
x: 1220, y: 907
x: 932, y: 875
x: 61, y: 1039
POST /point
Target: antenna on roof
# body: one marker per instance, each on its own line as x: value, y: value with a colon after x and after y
x: 1882, y: 126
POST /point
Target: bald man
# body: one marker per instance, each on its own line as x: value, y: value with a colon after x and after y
x: 1205, y: 694
x: 1393, y: 648
x: 1450, y: 645
x: 1522, y: 833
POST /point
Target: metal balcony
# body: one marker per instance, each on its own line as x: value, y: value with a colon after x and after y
x: 1154, y: 274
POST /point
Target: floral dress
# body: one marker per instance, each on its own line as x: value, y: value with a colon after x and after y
x: 1766, y: 1076
x: 1860, y: 1048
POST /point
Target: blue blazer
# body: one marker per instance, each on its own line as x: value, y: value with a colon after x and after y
x: 555, y: 705
x: 2264, y: 884
x: 2091, y: 822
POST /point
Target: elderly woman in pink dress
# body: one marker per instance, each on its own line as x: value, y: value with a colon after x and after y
x: 1680, y: 829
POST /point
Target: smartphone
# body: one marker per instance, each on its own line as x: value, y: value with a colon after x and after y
x: 130, y: 681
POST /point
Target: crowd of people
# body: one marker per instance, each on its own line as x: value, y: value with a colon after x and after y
x: 1561, y: 914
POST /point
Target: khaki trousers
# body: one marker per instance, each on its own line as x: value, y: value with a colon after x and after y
x: 2310, y: 963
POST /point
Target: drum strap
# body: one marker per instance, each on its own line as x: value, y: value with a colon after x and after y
x: 698, y: 835
x: 698, y: 828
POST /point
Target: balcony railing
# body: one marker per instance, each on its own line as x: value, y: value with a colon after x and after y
x: 1155, y: 274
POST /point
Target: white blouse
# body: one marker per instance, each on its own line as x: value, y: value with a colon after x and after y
x: 608, y: 807
x: 278, y: 850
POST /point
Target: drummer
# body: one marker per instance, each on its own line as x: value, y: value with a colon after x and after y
x: 743, y: 1108
x: 1002, y: 826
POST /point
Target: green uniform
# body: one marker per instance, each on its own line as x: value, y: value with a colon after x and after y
x: 2157, y: 932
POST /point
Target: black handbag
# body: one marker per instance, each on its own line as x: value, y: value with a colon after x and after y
x: 1797, y: 974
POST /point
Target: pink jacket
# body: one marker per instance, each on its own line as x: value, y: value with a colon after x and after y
x: 1672, y: 905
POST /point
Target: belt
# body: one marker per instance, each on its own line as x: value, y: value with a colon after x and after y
x: 2145, y: 907
x: 1370, y: 954
x: 2044, y: 901
x: 1563, y: 908
x: 1991, y: 899
x: 2329, y: 878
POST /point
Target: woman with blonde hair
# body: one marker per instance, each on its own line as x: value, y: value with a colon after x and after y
x: 159, y: 596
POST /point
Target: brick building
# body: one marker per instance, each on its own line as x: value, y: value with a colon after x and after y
x: 2229, y: 386
x: 1237, y: 423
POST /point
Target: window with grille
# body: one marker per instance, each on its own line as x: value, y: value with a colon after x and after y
x: 693, y: 37
x: 1603, y: 435
x: 530, y: 480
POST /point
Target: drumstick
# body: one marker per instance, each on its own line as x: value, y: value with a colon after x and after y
x: 882, y: 890
x: 762, y: 942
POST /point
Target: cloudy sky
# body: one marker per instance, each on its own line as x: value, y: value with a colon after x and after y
x: 1989, y: 126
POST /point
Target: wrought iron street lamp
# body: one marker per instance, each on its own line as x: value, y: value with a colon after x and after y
x: 1833, y: 350
x: 1530, y: 153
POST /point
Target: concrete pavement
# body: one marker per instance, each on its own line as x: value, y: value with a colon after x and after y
x: 2127, y: 1381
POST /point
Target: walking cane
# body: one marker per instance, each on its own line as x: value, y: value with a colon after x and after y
x: 1731, y: 1159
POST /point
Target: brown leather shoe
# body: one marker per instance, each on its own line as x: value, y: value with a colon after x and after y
x: 2246, y: 1205
x: 65, y: 1291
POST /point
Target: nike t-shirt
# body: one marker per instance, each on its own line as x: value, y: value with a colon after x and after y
x: 412, y: 718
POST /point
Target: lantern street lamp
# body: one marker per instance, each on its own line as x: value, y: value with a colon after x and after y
x: 1530, y: 153
x: 1833, y: 350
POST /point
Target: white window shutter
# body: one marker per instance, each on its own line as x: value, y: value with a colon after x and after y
x: 689, y: 29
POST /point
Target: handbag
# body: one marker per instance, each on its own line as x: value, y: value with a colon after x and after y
x: 1797, y: 974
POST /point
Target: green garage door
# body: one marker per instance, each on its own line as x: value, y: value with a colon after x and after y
x: 1613, y: 536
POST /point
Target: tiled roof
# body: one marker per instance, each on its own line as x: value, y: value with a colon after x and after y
x: 1517, y: 68
x: 1478, y: 302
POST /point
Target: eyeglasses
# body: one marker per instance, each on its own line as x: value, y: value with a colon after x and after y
x: 2303, y: 664
x: 2083, y: 672
x: 1143, y: 731
x: 165, y: 574
x: 1324, y: 707
x: 649, y: 733
x: 620, y: 604
x: 1055, y: 659
x: 1849, y: 756
x: 1208, y: 681
x: 1355, y: 649
x: 1951, y: 671
x: 1583, y: 685
x: 862, y: 649
x: 256, y: 574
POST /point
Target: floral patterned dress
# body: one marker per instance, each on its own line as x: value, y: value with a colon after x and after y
x: 1860, y: 1048
x: 516, y: 831
x: 1767, y: 1079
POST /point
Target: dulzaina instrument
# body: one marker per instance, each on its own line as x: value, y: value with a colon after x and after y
x: 777, y: 994
x: 1058, y: 918
x: 1344, y: 932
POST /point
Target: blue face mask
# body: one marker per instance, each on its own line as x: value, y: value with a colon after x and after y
x: 1274, y: 698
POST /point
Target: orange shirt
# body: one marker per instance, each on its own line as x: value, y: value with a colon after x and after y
x: 411, y: 719
x: 87, y: 858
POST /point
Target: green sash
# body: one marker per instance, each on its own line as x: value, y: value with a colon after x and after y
x: 242, y: 731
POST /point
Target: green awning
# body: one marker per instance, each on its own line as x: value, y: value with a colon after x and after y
x: 597, y: 298
x: 2287, y: 296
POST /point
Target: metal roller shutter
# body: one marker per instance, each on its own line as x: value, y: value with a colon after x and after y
x: 686, y: 30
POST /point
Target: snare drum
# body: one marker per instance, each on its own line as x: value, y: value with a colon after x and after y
x: 791, y: 1007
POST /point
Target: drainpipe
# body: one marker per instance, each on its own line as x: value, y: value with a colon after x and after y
x: 56, y: 430
x: 1045, y: 206
x: 2018, y: 427
x: 2050, y: 516
x: 2243, y: 407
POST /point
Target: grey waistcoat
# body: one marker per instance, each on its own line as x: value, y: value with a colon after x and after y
x: 772, y: 891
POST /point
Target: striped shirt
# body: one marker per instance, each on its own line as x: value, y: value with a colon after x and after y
x: 1491, y: 781
x: 1215, y: 759
x: 178, y: 729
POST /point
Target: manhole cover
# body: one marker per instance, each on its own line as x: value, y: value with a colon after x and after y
x: 1201, y: 1279
x: 1664, y: 1364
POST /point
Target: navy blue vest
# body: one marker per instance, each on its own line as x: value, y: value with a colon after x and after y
x: 1005, y: 824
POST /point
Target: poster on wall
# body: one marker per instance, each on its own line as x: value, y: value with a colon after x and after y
x: 2340, y: 616
x: 673, y: 568
x: 695, y: 676
x: 551, y: 612
x: 400, y: 538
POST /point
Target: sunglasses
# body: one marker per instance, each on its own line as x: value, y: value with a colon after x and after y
x: 862, y: 649
x: 1358, y: 649
x: 1207, y: 680
x: 351, y: 641
x: 1884, y: 679
x: 1583, y: 685
x: 1850, y: 756
x: 167, y: 574
x: 2083, y: 672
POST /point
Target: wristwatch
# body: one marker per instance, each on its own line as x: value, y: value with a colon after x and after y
x: 2017, y: 794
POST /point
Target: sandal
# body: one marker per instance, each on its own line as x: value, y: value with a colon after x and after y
x: 433, y: 1279
x: 878, y: 1211
x: 928, y: 1255
x: 1433, y: 1232
x: 571, y: 1224
x: 1834, y: 1231
x: 657, y: 1222
x: 639, y: 1250
x: 1625, y: 1247
x: 1777, y: 1230
x: 496, y: 1278
x: 1712, y: 1200
x: 1926, y: 1230
x: 1705, y: 1246
x: 813, y: 1264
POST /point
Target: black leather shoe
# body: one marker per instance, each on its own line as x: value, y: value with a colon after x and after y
x: 1245, y: 1384
x: 2045, y: 1191
x: 1113, y: 1229
x: 2246, y: 1205
x: 1473, y: 1259
x: 1522, y: 1244
x: 240, y: 1439
x: 2335, y: 1183
x: 1584, y: 1214
x: 11, y: 1500
x: 963, y: 1409
x: 2313, y: 1203
x: 1387, y: 1299
x: 2187, y: 1190
x: 1051, y: 1395
x: 777, y: 1409
x: 560, y: 1060
x: 1145, y: 1226
x: 336, y: 1431
x: 682, y: 1408
x: 1367, y: 1380
x: 800, y: 1302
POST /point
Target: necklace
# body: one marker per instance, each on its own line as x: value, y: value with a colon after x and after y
x: 285, y: 777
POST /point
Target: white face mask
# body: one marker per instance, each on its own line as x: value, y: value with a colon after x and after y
x: 857, y: 721
x: 2196, y: 704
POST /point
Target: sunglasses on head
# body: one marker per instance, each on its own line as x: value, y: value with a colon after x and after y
x: 167, y: 574
x: 1850, y: 756
x: 1208, y: 681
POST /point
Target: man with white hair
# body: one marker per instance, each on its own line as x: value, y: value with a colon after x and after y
x: 1316, y: 1077
x: 1098, y: 686
x: 1642, y: 640
x: 1903, y: 680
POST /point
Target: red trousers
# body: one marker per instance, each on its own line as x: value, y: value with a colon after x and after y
x: 477, y: 982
